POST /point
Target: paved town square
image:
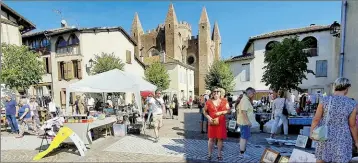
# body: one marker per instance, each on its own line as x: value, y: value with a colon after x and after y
x: 113, y: 81
x: 180, y: 142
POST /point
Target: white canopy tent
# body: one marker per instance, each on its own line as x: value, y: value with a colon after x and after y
x: 110, y: 81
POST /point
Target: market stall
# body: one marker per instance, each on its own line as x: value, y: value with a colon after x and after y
x: 110, y: 81
x: 107, y: 82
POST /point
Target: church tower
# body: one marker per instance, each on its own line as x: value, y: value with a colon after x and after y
x: 217, y: 40
x: 136, y: 33
x: 205, y: 54
x: 171, y: 35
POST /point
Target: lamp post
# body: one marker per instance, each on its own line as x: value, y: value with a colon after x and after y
x: 335, y: 29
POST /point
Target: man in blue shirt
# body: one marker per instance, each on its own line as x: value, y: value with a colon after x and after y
x: 10, y: 107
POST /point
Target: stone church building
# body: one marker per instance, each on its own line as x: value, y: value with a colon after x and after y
x: 174, y: 42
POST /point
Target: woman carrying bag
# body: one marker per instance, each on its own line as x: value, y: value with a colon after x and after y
x: 334, y: 125
x: 279, y: 108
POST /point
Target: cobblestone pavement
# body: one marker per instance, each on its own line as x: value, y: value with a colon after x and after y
x: 180, y: 142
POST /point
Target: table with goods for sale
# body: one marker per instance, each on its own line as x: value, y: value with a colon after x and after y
x: 83, y: 124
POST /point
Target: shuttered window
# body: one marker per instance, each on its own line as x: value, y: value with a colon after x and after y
x: 321, y: 68
x: 245, y: 74
x: 128, y: 57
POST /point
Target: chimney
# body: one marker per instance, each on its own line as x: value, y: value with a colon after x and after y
x: 63, y: 23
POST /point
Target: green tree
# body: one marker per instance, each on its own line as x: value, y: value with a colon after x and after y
x: 220, y: 75
x: 21, y: 67
x: 106, y: 62
x: 286, y: 65
x: 158, y: 75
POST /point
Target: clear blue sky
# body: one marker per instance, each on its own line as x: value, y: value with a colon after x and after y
x: 237, y: 20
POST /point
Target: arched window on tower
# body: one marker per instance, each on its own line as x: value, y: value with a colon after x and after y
x: 311, y: 45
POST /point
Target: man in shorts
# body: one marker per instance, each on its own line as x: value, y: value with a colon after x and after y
x: 158, y: 108
x: 245, y: 116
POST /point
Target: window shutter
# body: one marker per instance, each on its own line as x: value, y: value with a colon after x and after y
x: 79, y: 69
x: 63, y: 96
x: 49, y: 65
x: 243, y: 74
x: 321, y: 68
x: 324, y: 68
x: 72, y: 98
x: 65, y: 65
x: 70, y: 72
x: 128, y: 57
x: 59, y: 71
x: 248, y: 72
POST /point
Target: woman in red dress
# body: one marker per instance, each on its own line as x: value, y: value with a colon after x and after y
x: 215, y: 110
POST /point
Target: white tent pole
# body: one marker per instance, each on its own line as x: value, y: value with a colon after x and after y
x: 68, y: 111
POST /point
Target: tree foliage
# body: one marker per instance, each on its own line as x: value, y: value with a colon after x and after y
x: 221, y: 76
x: 286, y: 65
x: 106, y: 62
x: 158, y: 75
x: 21, y: 67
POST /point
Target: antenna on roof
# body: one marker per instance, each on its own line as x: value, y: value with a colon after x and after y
x: 63, y: 21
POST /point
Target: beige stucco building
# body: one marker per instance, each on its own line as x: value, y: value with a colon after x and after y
x: 324, y: 61
x: 67, y: 52
x: 351, y: 47
x: 13, y: 25
x: 191, y: 55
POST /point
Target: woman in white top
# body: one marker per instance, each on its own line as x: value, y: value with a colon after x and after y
x: 277, y: 108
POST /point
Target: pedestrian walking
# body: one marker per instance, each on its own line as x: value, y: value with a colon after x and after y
x: 11, y: 113
x: 245, y: 115
x: 24, y: 117
x: 201, y: 106
x: 35, y: 114
x: 176, y: 105
x: 215, y: 110
x: 338, y: 114
x: 278, y: 107
x: 158, y: 108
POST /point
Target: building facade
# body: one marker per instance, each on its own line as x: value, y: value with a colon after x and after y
x: 68, y: 52
x: 13, y: 25
x: 324, y: 59
x: 351, y: 47
x: 176, y: 40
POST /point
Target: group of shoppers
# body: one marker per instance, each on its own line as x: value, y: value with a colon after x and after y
x: 342, y: 129
x: 24, y: 114
x: 214, y: 111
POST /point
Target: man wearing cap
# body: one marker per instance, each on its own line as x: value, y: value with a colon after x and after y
x: 11, y: 113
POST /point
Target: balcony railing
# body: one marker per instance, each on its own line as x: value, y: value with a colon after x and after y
x: 69, y: 50
x: 311, y: 51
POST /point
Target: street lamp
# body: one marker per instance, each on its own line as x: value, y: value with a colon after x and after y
x: 335, y: 29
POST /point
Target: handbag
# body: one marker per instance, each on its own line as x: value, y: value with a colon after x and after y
x: 215, y: 121
x: 284, y: 109
x: 321, y: 133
